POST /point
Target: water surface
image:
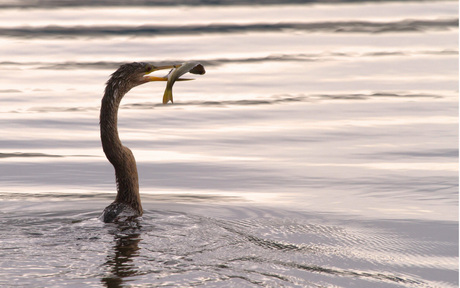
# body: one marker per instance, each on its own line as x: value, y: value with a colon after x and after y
x: 320, y: 149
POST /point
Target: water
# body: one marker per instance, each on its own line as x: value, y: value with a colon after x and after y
x: 319, y: 150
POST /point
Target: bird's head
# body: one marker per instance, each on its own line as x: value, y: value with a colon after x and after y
x: 133, y: 74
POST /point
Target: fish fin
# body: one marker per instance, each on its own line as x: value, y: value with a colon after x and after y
x: 167, y: 96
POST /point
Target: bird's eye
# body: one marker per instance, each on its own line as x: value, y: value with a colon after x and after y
x: 149, y: 69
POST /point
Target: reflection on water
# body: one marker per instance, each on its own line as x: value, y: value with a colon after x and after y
x: 319, y: 150
x: 244, y: 245
x: 120, y: 260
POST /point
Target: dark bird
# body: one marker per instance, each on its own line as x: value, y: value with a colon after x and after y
x: 128, y: 202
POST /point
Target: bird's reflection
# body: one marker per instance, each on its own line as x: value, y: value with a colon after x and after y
x: 120, y: 258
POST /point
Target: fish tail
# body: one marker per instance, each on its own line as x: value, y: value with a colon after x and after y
x: 167, y: 96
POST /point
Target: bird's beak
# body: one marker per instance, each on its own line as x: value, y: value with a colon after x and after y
x: 154, y: 78
x: 156, y: 68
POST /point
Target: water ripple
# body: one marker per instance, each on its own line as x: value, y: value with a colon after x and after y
x: 154, y: 30
x: 275, y: 99
x: 184, y: 249
x: 153, y: 3
x: 27, y: 155
x: 299, y: 57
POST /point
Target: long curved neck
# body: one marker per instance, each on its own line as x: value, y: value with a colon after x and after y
x: 120, y: 156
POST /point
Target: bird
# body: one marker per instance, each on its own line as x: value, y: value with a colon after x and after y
x: 127, y: 204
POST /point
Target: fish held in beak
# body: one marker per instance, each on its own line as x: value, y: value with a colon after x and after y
x: 174, y: 74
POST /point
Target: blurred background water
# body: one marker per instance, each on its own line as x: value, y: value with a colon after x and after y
x: 320, y: 149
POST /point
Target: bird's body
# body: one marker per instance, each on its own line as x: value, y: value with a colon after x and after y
x: 128, y: 200
x: 127, y: 203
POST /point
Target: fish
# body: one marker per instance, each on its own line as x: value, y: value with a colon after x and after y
x: 175, y: 73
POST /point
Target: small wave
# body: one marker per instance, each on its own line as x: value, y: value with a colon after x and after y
x: 61, y: 109
x: 160, y: 3
x: 390, y: 278
x: 434, y: 153
x: 279, y: 99
x: 10, y: 91
x: 358, y: 96
x: 27, y: 155
x: 296, y: 57
x: 153, y: 30
x: 34, y: 155
x: 275, y: 99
